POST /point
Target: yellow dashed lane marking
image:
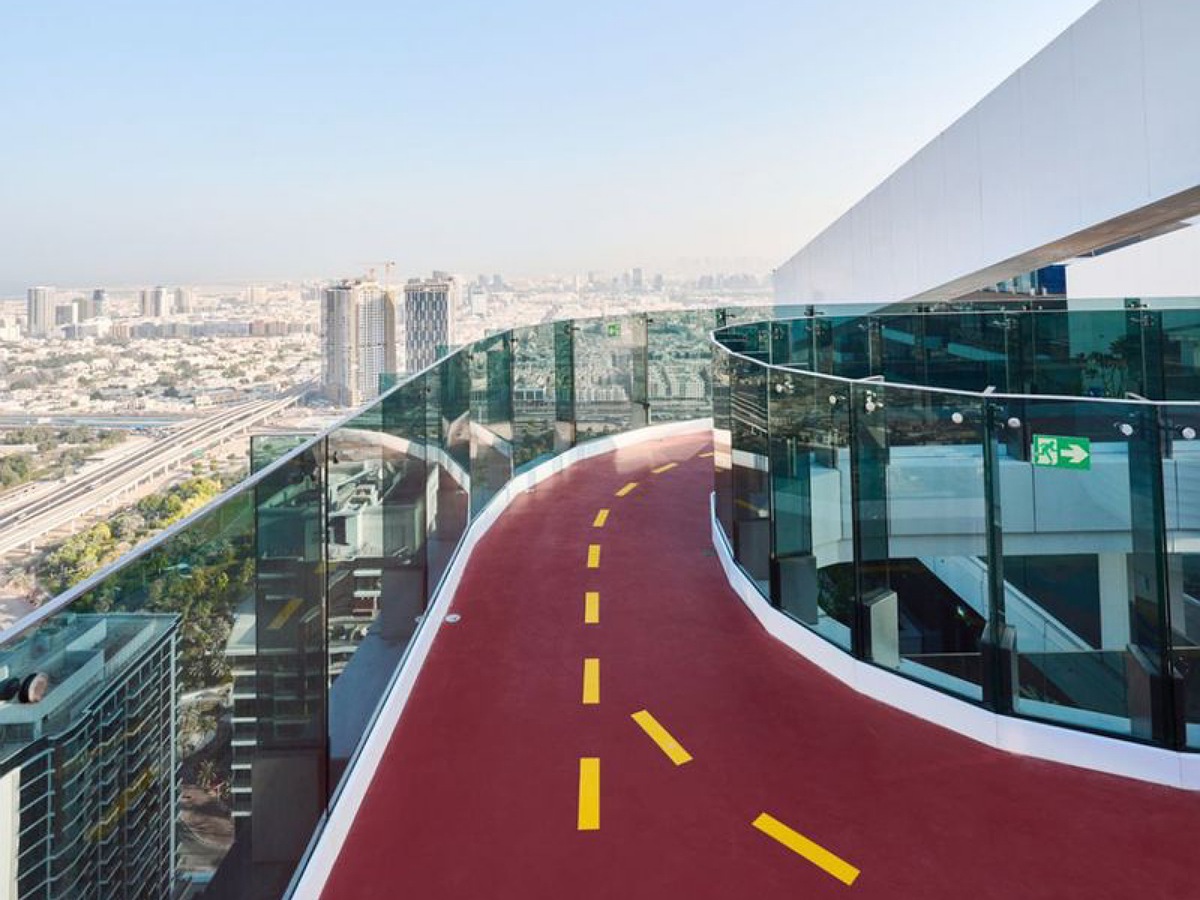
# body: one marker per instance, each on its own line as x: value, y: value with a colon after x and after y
x: 625, y: 490
x: 281, y: 617
x: 666, y: 742
x: 591, y: 608
x: 706, y: 455
x: 591, y: 681
x: 665, y: 468
x: 814, y: 853
x: 593, y: 556
x: 601, y: 518
x: 589, y: 793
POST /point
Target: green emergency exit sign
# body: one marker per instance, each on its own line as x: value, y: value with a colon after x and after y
x: 1060, y: 452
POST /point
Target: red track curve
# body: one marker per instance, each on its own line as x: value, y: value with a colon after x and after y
x: 476, y: 796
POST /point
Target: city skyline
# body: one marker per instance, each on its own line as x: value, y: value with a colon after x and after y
x: 531, y: 141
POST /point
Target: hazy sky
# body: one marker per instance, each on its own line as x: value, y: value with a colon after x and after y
x: 150, y: 141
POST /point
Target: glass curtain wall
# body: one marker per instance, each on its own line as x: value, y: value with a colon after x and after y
x: 199, y: 705
x: 1029, y: 552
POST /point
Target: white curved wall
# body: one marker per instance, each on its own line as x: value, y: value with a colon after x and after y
x: 1094, y: 140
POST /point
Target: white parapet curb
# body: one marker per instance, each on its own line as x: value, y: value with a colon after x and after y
x: 324, y: 853
x: 1022, y: 736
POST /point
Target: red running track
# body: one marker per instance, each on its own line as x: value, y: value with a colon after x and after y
x: 477, y: 794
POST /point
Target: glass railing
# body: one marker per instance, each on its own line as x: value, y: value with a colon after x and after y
x: 197, y: 704
x: 1002, y: 505
x: 189, y: 713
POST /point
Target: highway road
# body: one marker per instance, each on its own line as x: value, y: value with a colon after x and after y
x: 123, y: 423
x: 34, y: 515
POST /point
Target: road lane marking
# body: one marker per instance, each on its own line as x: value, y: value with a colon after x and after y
x: 591, y: 608
x: 281, y: 617
x: 625, y: 490
x: 814, y: 853
x: 593, y: 556
x: 666, y: 742
x: 665, y: 468
x: 589, y: 793
x: 706, y: 455
x: 601, y: 518
x: 591, y: 681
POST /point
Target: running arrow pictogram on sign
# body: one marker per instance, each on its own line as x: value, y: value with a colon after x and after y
x: 1059, y: 452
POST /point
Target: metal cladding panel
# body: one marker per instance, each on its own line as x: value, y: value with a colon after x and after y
x: 1112, y: 158
x: 1003, y: 211
x: 905, y: 202
x: 1049, y: 152
x: 962, y: 209
x: 933, y: 241
x: 1094, y: 140
x: 880, y: 238
x: 1169, y: 34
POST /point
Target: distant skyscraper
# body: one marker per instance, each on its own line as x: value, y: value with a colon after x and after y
x: 99, y: 302
x: 477, y: 300
x: 39, y: 309
x: 183, y: 300
x: 162, y: 301
x: 358, y: 336
x: 66, y: 314
x: 428, y: 313
x: 157, y: 302
x: 638, y: 280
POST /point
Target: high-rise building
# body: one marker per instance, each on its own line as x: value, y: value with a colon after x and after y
x: 99, y: 302
x: 40, y: 311
x: 358, y: 336
x: 162, y: 300
x: 88, y: 790
x: 477, y: 300
x: 65, y: 314
x: 183, y: 300
x: 428, y: 315
x: 157, y: 303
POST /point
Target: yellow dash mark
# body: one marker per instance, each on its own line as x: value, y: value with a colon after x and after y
x: 593, y: 556
x: 289, y: 610
x: 665, y: 468
x: 625, y: 490
x: 706, y: 455
x: 591, y: 681
x: 591, y: 608
x: 601, y: 518
x: 666, y: 742
x: 589, y: 793
x: 814, y: 853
